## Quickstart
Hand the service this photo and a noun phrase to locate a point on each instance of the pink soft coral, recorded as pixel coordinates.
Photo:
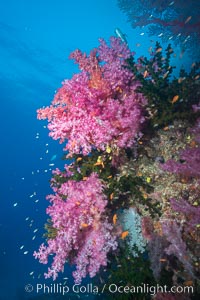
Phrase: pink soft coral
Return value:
(81, 229)
(98, 106)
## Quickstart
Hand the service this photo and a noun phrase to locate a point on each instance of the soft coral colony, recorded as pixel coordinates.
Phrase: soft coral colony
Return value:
(100, 105)
(113, 197)
(98, 108)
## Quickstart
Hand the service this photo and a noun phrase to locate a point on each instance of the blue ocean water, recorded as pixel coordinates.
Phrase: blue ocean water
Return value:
(36, 38)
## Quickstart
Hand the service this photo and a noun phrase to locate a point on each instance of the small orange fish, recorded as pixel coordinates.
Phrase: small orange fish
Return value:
(175, 98)
(111, 196)
(85, 178)
(145, 74)
(193, 144)
(118, 89)
(79, 159)
(163, 260)
(165, 75)
(114, 219)
(73, 143)
(98, 163)
(84, 225)
(180, 79)
(159, 50)
(124, 234)
(145, 196)
(188, 19)
(78, 203)
(188, 283)
(109, 177)
(166, 128)
(92, 113)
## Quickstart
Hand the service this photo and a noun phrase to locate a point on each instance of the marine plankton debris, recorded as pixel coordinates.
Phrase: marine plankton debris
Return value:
(15, 204)
(53, 157)
(32, 195)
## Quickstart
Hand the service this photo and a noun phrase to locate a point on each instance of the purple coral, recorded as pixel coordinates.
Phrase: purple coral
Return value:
(81, 229)
(172, 232)
(189, 164)
(192, 213)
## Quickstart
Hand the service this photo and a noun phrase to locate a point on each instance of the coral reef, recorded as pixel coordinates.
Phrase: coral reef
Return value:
(127, 199)
(102, 99)
(176, 21)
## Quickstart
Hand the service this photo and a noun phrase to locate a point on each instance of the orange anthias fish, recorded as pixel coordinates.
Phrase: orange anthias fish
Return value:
(111, 196)
(159, 50)
(175, 98)
(145, 73)
(114, 219)
(124, 234)
(84, 225)
(79, 159)
(181, 79)
(163, 260)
